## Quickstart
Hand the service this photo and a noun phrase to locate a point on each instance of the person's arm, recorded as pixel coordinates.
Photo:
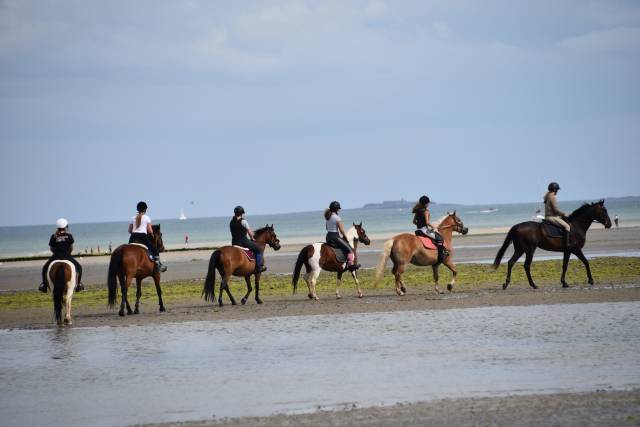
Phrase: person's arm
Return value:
(245, 224)
(427, 217)
(149, 229)
(130, 228)
(344, 234)
(554, 206)
(52, 242)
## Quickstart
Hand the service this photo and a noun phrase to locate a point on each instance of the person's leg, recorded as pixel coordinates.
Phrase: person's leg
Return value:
(79, 285)
(44, 285)
(349, 253)
(156, 255)
(443, 253)
(258, 253)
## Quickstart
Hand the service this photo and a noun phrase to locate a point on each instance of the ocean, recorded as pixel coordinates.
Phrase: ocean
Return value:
(296, 227)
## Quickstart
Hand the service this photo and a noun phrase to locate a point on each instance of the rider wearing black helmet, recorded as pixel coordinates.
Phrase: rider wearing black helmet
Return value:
(553, 214)
(140, 229)
(421, 219)
(334, 229)
(241, 235)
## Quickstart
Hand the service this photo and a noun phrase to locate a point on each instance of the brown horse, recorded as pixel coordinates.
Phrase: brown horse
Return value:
(321, 256)
(131, 261)
(62, 274)
(527, 236)
(233, 261)
(407, 248)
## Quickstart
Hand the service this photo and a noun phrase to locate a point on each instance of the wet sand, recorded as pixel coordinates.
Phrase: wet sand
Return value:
(190, 265)
(600, 408)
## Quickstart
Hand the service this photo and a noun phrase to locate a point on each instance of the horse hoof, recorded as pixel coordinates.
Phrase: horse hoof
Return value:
(404, 290)
(259, 301)
(338, 297)
(136, 311)
(534, 286)
(505, 286)
(590, 282)
(129, 312)
(233, 303)
(67, 322)
(121, 313)
(243, 301)
(564, 284)
(310, 296)
(162, 309)
(449, 287)
(220, 304)
(359, 295)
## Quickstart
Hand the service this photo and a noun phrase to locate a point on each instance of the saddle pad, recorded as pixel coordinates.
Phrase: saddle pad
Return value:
(552, 230)
(340, 255)
(248, 252)
(139, 244)
(427, 242)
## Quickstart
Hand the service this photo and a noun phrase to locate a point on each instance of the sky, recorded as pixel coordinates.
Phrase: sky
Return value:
(283, 106)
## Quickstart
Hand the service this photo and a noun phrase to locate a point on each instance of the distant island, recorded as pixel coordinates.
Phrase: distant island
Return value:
(395, 204)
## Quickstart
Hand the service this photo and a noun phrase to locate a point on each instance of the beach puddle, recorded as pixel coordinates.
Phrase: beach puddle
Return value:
(200, 370)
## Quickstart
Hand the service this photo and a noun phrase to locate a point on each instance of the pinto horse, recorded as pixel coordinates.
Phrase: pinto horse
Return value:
(527, 236)
(321, 256)
(62, 274)
(408, 248)
(131, 261)
(233, 261)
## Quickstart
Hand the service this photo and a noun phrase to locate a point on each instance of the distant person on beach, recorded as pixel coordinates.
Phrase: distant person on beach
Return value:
(61, 245)
(553, 214)
(615, 220)
(140, 229)
(186, 239)
(241, 235)
(334, 229)
(422, 221)
(110, 247)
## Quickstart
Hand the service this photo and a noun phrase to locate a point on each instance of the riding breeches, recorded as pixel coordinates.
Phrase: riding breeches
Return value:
(432, 234)
(559, 221)
(144, 239)
(334, 239)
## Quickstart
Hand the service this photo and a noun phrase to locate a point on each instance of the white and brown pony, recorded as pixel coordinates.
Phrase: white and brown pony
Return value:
(62, 274)
(407, 248)
(321, 256)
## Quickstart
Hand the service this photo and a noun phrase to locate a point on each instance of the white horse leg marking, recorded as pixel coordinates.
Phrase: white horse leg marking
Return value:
(338, 282)
(314, 263)
(355, 278)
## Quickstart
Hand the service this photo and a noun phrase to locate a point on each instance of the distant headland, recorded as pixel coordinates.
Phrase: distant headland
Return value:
(394, 204)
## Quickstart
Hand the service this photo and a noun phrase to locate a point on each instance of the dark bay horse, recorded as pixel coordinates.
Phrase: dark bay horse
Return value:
(62, 274)
(321, 256)
(233, 261)
(527, 236)
(407, 248)
(131, 261)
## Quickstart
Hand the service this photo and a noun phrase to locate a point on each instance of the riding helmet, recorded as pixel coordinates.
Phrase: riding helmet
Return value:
(62, 223)
(238, 210)
(554, 186)
(424, 200)
(334, 206)
(141, 207)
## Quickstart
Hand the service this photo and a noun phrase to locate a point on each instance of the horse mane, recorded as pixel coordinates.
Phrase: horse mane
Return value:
(582, 209)
(259, 231)
(440, 220)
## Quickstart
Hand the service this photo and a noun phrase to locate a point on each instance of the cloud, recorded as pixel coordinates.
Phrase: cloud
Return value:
(616, 39)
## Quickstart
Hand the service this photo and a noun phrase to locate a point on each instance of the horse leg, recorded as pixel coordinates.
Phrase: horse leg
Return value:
(228, 291)
(222, 285)
(338, 282)
(138, 295)
(397, 273)
(314, 280)
(565, 264)
(454, 273)
(247, 279)
(585, 261)
(354, 274)
(436, 276)
(258, 300)
(124, 285)
(514, 258)
(156, 281)
(527, 268)
(67, 315)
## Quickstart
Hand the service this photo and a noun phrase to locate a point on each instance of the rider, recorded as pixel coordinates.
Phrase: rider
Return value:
(241, 235)
(333, 225)
(554, 215)
(421, 219)
(61, 245)
(140, 229)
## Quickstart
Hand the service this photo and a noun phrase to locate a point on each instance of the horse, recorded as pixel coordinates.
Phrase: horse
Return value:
(131, 261)
(529, 235)
(233, 261)
(62, 274)
(408, 248)
(321, 256)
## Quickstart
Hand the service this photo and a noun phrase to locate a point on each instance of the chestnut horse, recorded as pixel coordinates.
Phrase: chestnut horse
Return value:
(321, 256)
(407, 248)
(527, 236)
(131, 261)
(62, 274)
(233, 261)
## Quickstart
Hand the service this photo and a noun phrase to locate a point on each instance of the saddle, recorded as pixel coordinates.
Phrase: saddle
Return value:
(427, 242)
(248, 252)
(145, 248)
(341, 257)
(552, 230)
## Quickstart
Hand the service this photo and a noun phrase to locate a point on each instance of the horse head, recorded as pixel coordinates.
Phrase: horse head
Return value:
(452, 220)
(267, 234)
(592, 212)
(157, 238)
(601, 214)
(362, 235)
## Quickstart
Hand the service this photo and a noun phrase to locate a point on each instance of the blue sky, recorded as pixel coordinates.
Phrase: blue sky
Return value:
(286, 105)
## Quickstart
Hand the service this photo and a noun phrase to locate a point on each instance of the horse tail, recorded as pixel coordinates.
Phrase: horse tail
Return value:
(303, 258)
(58, 291)
(115, 266)
(386, 252)
(503, 249)
(208, 291)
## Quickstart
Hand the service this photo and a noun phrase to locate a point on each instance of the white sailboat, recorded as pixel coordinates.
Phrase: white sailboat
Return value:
(182, 216)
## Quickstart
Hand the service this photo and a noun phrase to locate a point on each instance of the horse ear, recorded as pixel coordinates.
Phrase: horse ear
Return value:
(360, 224)
(601, 201)
(354, 224)
(454, 212)
(272, 226)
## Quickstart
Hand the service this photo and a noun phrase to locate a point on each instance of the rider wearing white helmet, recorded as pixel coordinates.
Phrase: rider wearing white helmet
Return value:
(61, 245)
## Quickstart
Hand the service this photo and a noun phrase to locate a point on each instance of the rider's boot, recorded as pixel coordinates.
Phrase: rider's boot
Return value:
(443, 253)
(260, 267)
(79, 285)
(42, 288)
(567, 240)
(351, 262)
(159, 266)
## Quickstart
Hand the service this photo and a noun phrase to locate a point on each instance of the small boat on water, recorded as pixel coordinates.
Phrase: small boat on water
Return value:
(182, 216)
